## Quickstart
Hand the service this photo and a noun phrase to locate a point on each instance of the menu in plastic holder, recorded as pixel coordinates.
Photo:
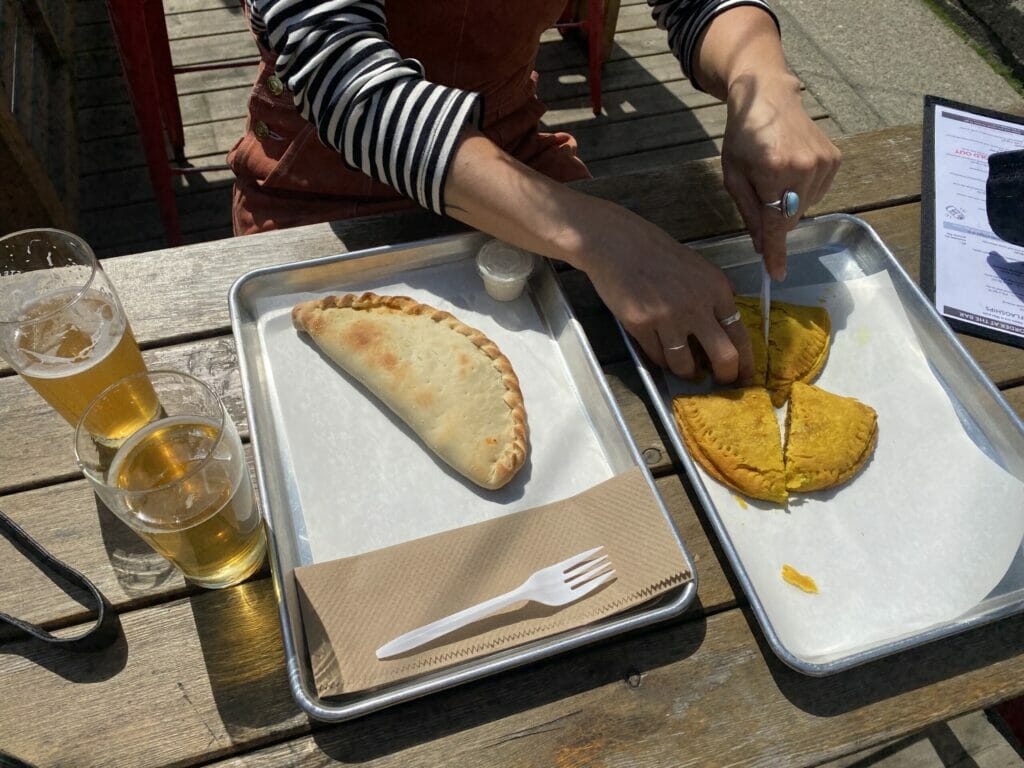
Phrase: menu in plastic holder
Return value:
(974, 277)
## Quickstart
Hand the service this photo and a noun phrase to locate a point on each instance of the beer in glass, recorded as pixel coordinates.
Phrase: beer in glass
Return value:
(63, 329)
(180, 479)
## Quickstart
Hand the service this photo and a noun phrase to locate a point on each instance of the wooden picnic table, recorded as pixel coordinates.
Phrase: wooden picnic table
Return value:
(198, 677)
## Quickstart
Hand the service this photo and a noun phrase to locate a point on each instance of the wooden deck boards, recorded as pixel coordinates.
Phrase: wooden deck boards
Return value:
(651, 115)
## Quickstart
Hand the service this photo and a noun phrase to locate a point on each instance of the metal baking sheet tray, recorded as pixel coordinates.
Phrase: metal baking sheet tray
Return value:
(339, 475)
(926, 541)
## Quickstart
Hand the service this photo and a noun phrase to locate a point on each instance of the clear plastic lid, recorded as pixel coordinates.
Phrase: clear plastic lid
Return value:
(504, 269)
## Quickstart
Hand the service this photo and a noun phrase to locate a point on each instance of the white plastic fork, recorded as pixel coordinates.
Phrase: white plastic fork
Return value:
(558, 584)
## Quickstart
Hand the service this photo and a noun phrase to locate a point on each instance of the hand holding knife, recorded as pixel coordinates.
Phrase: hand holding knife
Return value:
(788, 205)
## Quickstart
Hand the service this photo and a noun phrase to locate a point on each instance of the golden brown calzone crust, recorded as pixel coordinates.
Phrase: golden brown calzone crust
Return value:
(799, 338)
(750, 313)
(734, 435)
(829, 438)
(798, 345)
(446, 380)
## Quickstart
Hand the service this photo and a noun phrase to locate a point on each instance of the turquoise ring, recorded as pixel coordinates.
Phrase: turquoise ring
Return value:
(788, 205)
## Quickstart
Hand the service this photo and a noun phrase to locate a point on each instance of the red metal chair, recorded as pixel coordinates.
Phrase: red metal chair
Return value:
(593, 27)
(141, 34)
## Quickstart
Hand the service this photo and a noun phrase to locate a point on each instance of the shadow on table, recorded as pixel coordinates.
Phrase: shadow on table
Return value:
(895, 675)
(240, 639)
(623, 661)
(82, 667)
(140, 570)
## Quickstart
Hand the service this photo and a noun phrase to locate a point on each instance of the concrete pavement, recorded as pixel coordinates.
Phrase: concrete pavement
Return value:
(871, 62)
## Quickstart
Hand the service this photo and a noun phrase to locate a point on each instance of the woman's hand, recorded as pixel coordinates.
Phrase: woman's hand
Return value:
(667, 296)
(771, 146)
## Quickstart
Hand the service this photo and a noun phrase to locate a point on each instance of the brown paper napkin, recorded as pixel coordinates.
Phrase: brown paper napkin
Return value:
(352, 606)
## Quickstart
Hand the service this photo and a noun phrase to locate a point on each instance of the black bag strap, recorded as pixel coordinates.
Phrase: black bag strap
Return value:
(104, 631)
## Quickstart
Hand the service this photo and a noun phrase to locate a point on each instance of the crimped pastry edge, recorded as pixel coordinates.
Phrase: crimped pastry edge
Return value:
(679, 403)
(511, 461)
(818, 476)
(779, 391)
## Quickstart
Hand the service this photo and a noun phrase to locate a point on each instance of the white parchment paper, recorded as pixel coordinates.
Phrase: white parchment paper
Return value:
(920, 537)
(364, 479)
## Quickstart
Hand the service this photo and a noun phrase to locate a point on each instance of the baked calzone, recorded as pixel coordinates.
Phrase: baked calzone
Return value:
(446, 380)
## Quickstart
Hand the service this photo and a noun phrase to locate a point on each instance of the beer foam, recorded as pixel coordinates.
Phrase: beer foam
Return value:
(91, 318)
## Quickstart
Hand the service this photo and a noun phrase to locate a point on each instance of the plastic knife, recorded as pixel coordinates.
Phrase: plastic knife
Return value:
(766, 299)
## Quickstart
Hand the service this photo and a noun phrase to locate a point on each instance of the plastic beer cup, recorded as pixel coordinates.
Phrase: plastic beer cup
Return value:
(62, 327)
(179, 480)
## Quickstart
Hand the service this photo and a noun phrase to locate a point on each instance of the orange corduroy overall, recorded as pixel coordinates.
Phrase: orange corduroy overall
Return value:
(284, 175)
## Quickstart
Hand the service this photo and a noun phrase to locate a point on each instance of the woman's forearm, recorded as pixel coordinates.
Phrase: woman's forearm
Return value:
(661, 291)
(738, 44)
(493, 192)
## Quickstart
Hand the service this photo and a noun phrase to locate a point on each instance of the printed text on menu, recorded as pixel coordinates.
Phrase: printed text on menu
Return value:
(979, 278)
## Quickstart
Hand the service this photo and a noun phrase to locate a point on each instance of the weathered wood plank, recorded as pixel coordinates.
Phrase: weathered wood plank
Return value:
(704, 689)
(182, 686)
(206, 143)
(91, 12)
(640, 703)
(602, 139)
(28, 197)
(205, 208)
(632, 17)
(654, 159)
(192, 18)
(554, 53)
(101, 92)
(671, 698)
(118, 189)
(212, 49)
(119, 119)
(200, 22)
(187, 237)
(616, 75)
(629, 393)
(632, 105)
(190, 6)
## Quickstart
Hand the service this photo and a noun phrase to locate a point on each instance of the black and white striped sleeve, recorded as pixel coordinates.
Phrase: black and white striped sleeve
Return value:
(685, 20)
(366, 101)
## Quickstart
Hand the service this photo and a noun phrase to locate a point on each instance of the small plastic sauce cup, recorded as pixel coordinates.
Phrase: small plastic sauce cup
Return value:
(504, 269)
